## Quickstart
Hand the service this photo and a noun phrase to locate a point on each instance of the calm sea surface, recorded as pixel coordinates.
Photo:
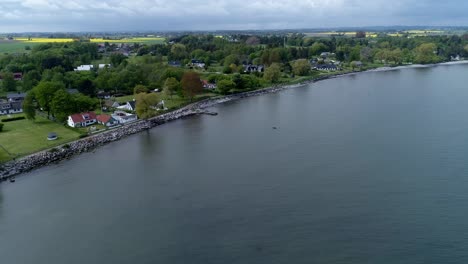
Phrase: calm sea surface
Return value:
(371, 168)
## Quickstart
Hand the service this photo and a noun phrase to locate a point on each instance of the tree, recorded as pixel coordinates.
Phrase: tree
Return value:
(273, 73)
(140, 89)
(178, 51)
(253, 40)
(146, 105)
(224, 86)
(44, 93)
(317, 48)
(361, 34)
(191, 84)
(426, 53)
(117, 58)
(301, 67)
(61, 105)
(231, 59)
(171, 86)
(1, 127)
(8, 82)
(28, 107)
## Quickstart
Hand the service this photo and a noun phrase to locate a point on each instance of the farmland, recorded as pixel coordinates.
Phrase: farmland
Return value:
(20, 44)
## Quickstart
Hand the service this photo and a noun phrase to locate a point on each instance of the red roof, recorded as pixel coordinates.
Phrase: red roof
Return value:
(82, 117)
(103, 118)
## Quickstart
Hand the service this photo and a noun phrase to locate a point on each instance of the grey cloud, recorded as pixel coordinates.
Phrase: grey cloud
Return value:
(92, 15)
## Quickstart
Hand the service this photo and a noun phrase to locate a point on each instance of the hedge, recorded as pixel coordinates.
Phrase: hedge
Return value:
(13, 119)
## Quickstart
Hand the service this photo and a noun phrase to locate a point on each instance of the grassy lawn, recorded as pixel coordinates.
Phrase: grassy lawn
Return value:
(24, 137)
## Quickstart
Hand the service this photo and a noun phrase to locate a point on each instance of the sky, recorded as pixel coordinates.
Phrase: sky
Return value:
(166, 15)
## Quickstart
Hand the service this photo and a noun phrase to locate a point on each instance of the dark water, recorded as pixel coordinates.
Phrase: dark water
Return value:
(371, 168)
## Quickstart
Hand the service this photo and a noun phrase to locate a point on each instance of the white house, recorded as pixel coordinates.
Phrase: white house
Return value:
(130, 106)
(123, 117)
(90, 67)
(7, 108)
(82, 119)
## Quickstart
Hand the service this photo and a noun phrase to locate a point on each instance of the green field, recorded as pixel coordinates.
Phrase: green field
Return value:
(13, 46)
(24, 137)
(18, 45)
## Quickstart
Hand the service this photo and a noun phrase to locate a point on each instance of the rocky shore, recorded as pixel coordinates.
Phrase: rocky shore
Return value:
(66, 151)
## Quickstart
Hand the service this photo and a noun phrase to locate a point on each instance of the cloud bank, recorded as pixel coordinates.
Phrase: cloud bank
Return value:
(162, 15)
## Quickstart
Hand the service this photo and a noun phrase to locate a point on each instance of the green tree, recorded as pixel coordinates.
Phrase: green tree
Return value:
(28, 106)
(171, 86)
(317, 48)
(301, 67)
(178, 51)
(224, 86)
(61, 105)
(44, 92)
(140, 89)
(426, 53)
(231, 59)
(191, 84)
(8, 82)
(273, 73)
(146, 105)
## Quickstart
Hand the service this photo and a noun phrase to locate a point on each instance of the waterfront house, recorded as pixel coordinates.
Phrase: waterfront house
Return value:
(107, 120)
(176, 64)
(249, 68)
(16, 97)
(326, 67)
(7, 108)
(123, 117)
(130, 106)
(103, 95)
(197, 63)
(82, 119)
(207, 85)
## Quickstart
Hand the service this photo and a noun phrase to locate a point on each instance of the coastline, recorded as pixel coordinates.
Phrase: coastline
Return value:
(67, 151)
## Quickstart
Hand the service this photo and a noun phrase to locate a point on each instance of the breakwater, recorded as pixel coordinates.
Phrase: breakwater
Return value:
(90, 143)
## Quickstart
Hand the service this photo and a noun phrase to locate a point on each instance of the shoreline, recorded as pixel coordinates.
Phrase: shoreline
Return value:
(74, 148)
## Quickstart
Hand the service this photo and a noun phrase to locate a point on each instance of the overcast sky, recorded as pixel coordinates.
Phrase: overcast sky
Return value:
(163, 15)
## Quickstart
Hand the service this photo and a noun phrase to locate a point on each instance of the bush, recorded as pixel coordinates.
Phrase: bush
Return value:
(66, 146)
(83, 135)
(1, 127)
(13, 119)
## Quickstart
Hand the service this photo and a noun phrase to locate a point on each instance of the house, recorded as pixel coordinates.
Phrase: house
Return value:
(130, 106)
(357, 64)
(325, 55)
(197, 63)
(123, 117)
(176, 64)
(82, 119)
(326, 67)
(84, 68)
(16, 97)
(249, 68)
(106, 120)
(7, 108)
(72, 91)
(207, 85)
(18, 76)
(103, 95)
(90, 67)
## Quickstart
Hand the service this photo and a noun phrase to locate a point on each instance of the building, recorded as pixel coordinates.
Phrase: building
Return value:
(326, 67)
(17, 76)
(249, 68)
(130, 106)
(7, 108)
(106, 120)
(207, 85)
(90, 67)
(176, 64)
(16, 97)
(197, 63)
(82, 119)
(123, 117)
(103, 95)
